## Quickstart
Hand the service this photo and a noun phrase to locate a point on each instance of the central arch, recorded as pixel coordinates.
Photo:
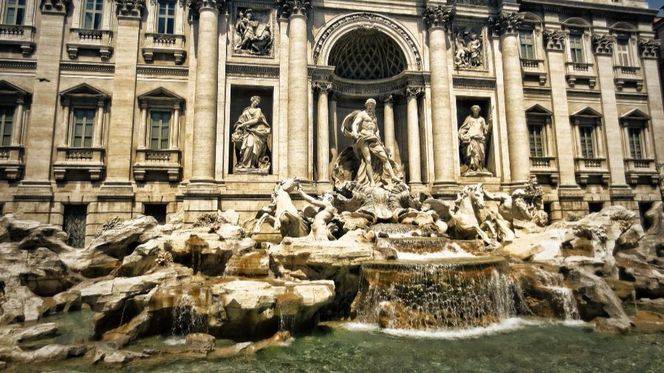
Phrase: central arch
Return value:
(366, 54)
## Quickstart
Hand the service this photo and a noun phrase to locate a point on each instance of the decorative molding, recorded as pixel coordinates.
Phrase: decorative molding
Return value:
(649, 48)
(54, 6)
(287, 8)
(88, 67)
(555, 40)
(369, 18)
(468, 82)
(506, 23)
(18, 64)
(267, 71)
(162, 70)
(603, 44)
(196, 5)
(322, 86)
(414, 91)
(130, 8)
(438, 16)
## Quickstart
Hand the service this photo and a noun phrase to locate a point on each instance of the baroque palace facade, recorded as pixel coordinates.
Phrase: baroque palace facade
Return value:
(112, 108)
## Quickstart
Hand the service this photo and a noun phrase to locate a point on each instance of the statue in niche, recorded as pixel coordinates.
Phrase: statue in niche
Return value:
(252, 35)
(250, 136)
(473, 135)
(368, 158)
(468, 54)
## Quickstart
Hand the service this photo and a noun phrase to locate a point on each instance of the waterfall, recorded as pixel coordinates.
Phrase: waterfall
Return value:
(561, 295)
(185, 318)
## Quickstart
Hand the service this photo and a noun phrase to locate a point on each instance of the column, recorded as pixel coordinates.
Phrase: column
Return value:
(143, 126)
(388, 126)
(413, 122)
(649, 49)
(603, 47)
(323, 129)
(517, 130)
(99, 126)
(438, 19)
(175, 127)
(283, 96)
(298, 90)
(205, 108)
(335, 124)
(18, 124)
(555, 52)
(65, 123)
(39, 134)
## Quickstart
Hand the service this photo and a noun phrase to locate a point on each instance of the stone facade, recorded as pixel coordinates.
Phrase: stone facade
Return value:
(130, 109)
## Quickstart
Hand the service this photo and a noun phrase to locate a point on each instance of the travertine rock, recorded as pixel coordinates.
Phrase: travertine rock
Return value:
(121, 240)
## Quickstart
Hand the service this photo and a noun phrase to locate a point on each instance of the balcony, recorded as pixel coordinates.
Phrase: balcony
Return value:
(20, 36)
(157, 163)
(628, 74)
(11, 162)
(545, 168)
(164, 44)
(534, 67)
(641, 171)
(591, 170)
(97, 40)
(87, 163)
(580, 71)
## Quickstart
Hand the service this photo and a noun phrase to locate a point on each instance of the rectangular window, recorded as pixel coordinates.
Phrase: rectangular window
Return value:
(576, 48)
(527, 45)
(93, 13)
(586, 137)
(166, 17)
(83, 128)
(14, 12)
(536, 140)
(73, 223)
(159, 129)
(635, 146)
(6, 124)
(623, 52)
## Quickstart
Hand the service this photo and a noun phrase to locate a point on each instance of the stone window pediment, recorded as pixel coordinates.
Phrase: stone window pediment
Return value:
(84, 93)
(161, 97)
(634, 117)
(586, 116)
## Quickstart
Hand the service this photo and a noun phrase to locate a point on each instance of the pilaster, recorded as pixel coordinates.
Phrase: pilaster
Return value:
(413, 123)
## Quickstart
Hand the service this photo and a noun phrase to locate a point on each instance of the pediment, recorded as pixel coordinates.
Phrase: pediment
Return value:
(635, 114)
(538, 109)
(586, 112)
(160, 94)
(84, 90)
(9, 89)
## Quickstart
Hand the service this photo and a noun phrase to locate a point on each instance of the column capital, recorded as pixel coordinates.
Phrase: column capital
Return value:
(130, 8)
(197, 5)
(505, 23)
(555, 40)
(414, 91)
(54, 6)
(438, 16)
(649, 48)
(603, 44)
(389, 99)
(322, 86)
(287, 8)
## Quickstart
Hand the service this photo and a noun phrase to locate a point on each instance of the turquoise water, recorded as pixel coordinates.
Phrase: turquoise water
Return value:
(515, 347)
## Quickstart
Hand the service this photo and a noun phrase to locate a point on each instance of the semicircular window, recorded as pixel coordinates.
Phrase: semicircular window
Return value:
(367, 55)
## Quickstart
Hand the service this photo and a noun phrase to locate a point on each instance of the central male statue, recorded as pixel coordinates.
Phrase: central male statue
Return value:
(362, 127)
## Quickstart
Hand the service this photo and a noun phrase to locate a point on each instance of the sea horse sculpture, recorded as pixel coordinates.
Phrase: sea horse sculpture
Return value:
(282, 213)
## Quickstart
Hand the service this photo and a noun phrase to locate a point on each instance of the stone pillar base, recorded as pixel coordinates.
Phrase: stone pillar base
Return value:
(623, 196)
(33, 200)
(445, 190)
(200, 198)
(570, 204)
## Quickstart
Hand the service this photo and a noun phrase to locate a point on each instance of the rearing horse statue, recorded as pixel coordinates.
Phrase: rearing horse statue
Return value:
(282, 213)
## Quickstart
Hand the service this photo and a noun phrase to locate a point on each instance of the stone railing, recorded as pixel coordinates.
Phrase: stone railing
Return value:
(79, 161)
(166, 44)
(534, 67)
(546, 167)
(628, 74)
(11, 162)
(587, 168)
(157, 164)
(18, 35)
(542, 162)
(580, 70)
(641, 170)
(99, 40)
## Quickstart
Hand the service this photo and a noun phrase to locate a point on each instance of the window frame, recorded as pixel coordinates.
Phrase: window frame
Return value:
(18, 8)
(6, 132)
(594, 123)
(97, 14)
(524, 46)
(163, 142)
(86, 125)
(575, 37)
(541, 121)
(623, 57)
(169, 19)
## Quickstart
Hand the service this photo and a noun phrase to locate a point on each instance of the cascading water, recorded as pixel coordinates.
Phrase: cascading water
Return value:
(457, 293)
(185, 319)
(563, 295)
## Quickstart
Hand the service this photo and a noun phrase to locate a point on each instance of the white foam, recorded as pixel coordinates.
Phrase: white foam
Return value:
(507, 325)
(458, 252)
(174, 341)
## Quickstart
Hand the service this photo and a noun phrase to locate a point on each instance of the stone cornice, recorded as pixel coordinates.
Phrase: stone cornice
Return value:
(557, 5)
(555, 40)
(603, 44)
(438, 16)
(649, 48)
(54, 6)
(130, 8)
(197, 5)
(287, 8)
(506, 23)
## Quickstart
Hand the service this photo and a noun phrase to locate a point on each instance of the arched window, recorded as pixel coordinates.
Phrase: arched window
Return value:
(367, 55)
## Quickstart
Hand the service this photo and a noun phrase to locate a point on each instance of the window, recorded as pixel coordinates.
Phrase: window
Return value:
(576, 48)
(83, 128)
(635, 144)
(166, 17)
(527, 45)
(73, 223)
(14, 12)
(159, 129)
(586, 139)
(622, 51)
(6, 124)
(537, 135)
(157, 211)
(93, 12)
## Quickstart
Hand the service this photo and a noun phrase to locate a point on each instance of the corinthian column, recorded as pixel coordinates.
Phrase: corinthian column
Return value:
(298, 90)
(414, 171)
(205, 108)
(323, 148)
(388, 126)
(506, 25)
(437, 19)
